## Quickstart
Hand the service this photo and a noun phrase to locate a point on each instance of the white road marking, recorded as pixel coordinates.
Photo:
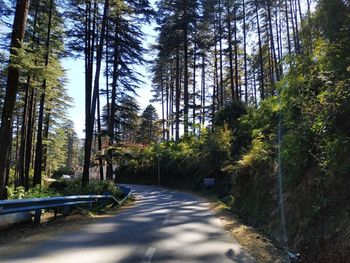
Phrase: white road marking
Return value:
(149, 255)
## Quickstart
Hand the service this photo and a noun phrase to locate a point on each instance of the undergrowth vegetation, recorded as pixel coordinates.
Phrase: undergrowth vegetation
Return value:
(65, 188)
(36, 192)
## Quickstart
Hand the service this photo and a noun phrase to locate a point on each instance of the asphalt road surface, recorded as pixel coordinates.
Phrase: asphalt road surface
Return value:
(163, 226)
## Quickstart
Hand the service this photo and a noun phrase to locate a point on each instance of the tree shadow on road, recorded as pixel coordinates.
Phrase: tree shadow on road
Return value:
(178, 225)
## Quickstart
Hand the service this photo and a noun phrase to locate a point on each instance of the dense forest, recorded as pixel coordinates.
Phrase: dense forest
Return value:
(252, 93)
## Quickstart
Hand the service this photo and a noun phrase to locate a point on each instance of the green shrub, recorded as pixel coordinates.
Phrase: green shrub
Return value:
(228, 200)
(35, 192)
(74, 187)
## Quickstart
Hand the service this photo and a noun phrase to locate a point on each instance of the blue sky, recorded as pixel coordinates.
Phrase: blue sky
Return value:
(75, 75)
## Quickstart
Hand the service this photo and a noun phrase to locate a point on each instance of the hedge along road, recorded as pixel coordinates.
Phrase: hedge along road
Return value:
(163, 226)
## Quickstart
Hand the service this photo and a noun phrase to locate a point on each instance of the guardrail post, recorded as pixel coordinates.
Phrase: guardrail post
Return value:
(37, 216)
(66, 210)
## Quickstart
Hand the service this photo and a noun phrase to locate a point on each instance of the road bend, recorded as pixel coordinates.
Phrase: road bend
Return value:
(163, 226)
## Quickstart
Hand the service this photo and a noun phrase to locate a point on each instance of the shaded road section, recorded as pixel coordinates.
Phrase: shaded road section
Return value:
(163, 226)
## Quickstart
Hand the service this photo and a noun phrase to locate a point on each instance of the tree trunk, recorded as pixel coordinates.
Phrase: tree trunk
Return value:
(186, 97)
(177, 98)
(221, 59)
(16, 154)
(279, 41)
(172, 91)
(230, 51)
(194, 80)
(29, 138)
(171, 103)
(18, 31)
(295, 11)
(255, 95)
(100, 161)
(21, 159)
(262, 84)
(238, 93)
(288, 30)
(293, 26)
(216, 76)
(245, 53)
(112, 113)
(70, 150)
(203, 93)
(47, 121)
(213, 102)
(167, 107)
(38, 165)
(38, 149)
(91, 118)
(162, 102)
(273, 49)
(7, 175)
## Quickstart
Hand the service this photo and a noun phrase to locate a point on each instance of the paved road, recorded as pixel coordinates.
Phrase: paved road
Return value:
(163, 226)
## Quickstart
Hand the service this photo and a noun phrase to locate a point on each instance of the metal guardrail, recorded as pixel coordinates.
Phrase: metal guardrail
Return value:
(37, 204)
(126, 191)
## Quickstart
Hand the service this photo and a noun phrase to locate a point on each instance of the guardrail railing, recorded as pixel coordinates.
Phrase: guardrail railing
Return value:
(37, 204)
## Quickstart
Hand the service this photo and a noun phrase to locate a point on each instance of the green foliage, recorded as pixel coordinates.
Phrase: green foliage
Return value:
(260, 151)
(57, 149)
(295, 156)
(74, 187)
(230, 114)
(232, 117)
(183, 164)
(149, 129)
(313, 102)
(254, 172)
(228, 200)
(64, 188)
(35, 192)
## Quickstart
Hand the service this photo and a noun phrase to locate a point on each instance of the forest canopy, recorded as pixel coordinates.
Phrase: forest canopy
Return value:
(252, 93)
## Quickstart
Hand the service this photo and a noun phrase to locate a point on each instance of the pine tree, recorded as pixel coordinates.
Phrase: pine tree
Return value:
(125, 50)
(149, 130)
(18, 31)
(35, 74)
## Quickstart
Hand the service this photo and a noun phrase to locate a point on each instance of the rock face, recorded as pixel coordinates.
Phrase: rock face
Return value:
(6, 220)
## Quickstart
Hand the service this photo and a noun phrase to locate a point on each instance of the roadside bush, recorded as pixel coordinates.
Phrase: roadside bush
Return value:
(35, 192)
(65, 188)
(73, 187)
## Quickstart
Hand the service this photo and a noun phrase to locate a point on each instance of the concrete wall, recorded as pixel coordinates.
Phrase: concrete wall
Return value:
(6, 220)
